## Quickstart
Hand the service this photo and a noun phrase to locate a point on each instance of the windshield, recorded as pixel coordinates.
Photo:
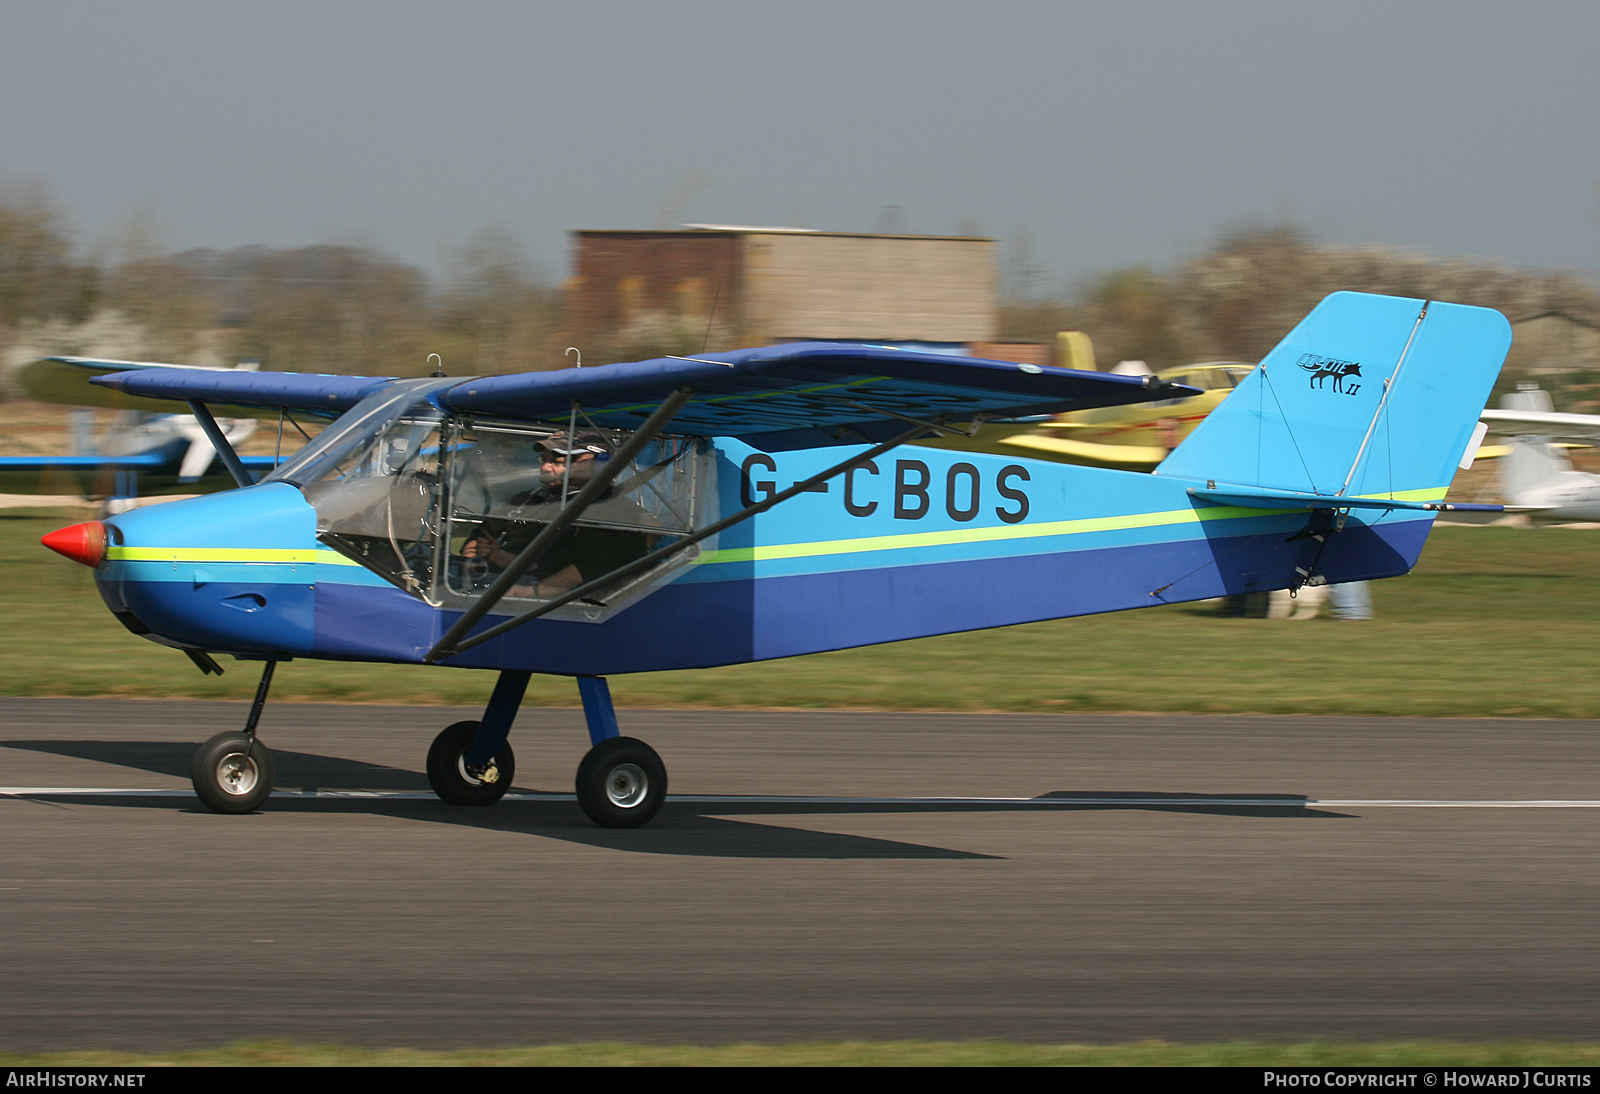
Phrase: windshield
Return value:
(353, 431)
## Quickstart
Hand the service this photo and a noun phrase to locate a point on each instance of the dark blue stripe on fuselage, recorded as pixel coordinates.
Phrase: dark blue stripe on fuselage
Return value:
(699, 625)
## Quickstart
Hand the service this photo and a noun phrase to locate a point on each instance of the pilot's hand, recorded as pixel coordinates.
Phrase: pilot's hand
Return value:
(479, 546)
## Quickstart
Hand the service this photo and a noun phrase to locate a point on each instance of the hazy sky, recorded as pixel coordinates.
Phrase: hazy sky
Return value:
(1109, 133)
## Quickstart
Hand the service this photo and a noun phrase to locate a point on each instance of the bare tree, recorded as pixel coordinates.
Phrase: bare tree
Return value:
(38, 279)
(325, 308)
(495, 314)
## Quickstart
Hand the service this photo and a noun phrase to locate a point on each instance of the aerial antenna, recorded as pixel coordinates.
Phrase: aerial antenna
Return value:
(438, 369)
(712, 315)
(572, 428)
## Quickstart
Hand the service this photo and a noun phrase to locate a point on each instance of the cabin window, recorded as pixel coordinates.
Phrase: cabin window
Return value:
(440, 506)
(506, 483)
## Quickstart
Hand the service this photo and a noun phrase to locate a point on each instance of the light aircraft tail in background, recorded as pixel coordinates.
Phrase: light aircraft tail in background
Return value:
(1536, 477)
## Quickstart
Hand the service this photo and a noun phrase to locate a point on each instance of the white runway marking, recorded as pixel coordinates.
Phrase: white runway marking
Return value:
(1067, 802)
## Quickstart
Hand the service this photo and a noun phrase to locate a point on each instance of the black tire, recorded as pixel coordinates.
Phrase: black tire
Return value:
(447, 768)
(622, 783)
(233, 773)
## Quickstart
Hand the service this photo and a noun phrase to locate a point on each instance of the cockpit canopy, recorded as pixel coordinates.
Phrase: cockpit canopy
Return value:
(437, 504)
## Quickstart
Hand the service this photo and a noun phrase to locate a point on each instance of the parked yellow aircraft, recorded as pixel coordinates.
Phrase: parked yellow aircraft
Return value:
(1140, 437)
(1134, 437)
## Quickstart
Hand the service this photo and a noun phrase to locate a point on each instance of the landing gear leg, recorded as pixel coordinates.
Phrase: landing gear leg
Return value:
(622, 783)
(233, 772)
(471, 763)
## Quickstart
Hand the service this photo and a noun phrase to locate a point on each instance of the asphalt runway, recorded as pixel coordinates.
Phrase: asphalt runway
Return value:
(1137, 876)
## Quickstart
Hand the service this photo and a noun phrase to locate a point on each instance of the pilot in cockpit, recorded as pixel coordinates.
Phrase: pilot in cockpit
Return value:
(583, 553)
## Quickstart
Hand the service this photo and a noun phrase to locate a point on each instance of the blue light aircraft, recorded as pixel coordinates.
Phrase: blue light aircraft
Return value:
(686, 512)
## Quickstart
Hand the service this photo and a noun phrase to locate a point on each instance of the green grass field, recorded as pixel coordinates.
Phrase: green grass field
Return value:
(1495, 621)
(861, 1054)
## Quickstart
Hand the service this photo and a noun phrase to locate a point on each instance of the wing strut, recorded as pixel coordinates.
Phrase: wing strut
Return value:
(533, 552)
(450, 645)
(219, 441)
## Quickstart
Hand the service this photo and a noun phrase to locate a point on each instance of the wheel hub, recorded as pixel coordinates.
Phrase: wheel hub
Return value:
(476, 776)
(237, 774)
(627, 785)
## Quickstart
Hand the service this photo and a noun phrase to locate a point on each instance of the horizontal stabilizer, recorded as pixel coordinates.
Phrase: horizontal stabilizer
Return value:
(1253, 498)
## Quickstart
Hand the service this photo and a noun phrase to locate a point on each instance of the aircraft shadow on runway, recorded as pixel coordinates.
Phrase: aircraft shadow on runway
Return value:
(689, 828)
(176, 759)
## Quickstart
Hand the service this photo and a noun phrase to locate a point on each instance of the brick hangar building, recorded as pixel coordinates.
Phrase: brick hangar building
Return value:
(636, 293)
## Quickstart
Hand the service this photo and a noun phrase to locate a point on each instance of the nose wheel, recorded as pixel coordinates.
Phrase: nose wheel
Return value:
(460, 783)
(621, 783)
(233, 773)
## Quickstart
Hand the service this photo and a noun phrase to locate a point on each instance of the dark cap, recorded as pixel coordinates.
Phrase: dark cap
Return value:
(591, 441)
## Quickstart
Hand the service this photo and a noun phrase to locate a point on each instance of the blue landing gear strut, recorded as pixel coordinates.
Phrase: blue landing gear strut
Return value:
(621, 783)
(497, 718)
(471, 763)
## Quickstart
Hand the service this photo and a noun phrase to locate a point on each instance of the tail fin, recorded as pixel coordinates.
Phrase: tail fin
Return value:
(1369, 395)
(1531, 467)
(1527, 397)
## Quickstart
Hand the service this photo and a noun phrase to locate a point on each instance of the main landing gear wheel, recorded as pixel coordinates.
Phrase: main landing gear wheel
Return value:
(621, 783)
(454, 782)
(233, 773)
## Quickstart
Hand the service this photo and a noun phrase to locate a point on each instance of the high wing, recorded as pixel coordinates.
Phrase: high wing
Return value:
(798, 395)
(63, 380)
(230, 393)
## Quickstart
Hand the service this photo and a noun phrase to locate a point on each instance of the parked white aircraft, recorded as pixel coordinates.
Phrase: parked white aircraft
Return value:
(145, 449)
(1536, 477)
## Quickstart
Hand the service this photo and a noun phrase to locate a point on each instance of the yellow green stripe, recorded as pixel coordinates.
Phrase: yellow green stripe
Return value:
(791, 550)
(1016, 531)
(226, 554)
(974, 535)
(1431, 493)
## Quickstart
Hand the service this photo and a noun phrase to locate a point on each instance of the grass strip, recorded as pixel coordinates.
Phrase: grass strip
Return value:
(860, 1054)
(1494, 622)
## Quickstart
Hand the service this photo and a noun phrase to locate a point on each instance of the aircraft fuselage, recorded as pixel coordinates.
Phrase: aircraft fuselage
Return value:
(921, 542)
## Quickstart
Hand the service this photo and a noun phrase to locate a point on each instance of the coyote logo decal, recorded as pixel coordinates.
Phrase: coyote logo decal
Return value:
(1323, 367)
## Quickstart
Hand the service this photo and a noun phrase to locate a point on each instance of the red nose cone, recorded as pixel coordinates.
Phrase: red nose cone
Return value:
(85, 543)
